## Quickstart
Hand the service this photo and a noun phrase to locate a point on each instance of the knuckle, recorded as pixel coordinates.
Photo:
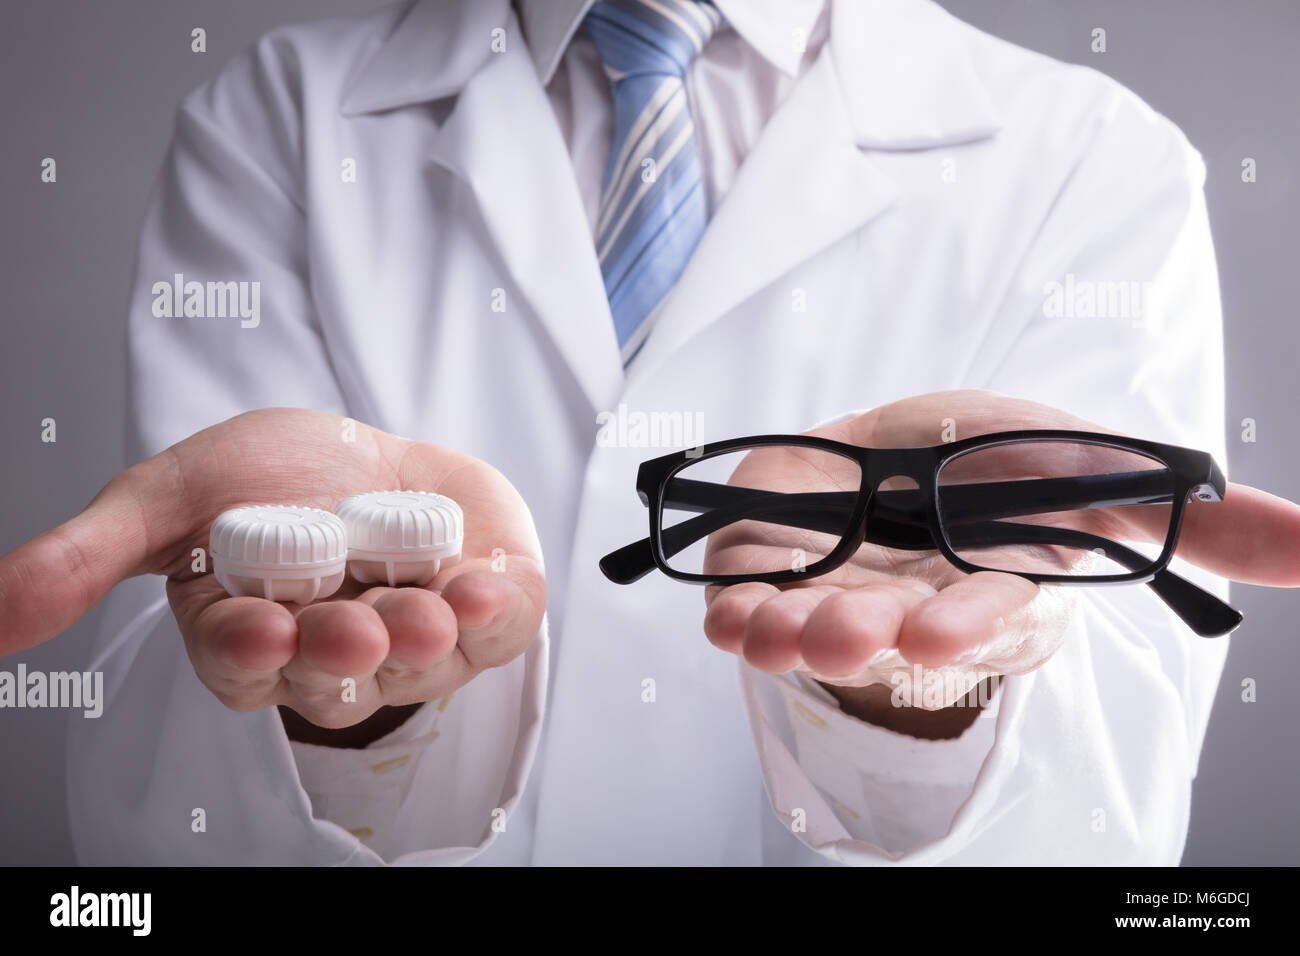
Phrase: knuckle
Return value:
(489, 652)
(235, 696)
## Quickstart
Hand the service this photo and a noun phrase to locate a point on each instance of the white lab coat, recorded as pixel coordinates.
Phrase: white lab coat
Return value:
(895, 231)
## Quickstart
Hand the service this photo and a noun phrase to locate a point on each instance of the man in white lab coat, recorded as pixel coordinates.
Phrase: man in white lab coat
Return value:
(897, 205)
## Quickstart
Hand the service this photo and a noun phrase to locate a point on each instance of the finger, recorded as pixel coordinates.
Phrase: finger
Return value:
(331, 680)
(52, 580)
(775, 628)
(849, 629)
(497, 613)
(1250, 536)
(337, 639)
(422, 663)
(962, 620)
(729, 609)
(236, 645)
(421, 626)
(143, 520)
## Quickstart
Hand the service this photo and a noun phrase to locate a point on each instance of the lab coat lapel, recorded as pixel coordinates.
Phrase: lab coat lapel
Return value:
(805, 185)
(502, 139)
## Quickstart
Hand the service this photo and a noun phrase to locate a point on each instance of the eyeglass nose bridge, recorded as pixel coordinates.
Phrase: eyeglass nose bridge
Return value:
(887, 475)
(898, 517)
(886, 485)
(897, 472)
(916, 465)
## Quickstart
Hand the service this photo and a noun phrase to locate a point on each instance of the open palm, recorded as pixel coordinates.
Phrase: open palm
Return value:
(884, 610)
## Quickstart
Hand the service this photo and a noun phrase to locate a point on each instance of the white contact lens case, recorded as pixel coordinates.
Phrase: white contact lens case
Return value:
(279, 552)
(401, 537)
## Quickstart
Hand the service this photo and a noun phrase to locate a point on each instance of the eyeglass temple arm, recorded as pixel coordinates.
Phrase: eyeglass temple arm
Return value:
(967, 502)
(905, 527)
(1200, 610)
(897, 519)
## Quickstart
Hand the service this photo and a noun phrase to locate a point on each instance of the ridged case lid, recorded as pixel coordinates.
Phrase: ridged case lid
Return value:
(278, 536)
(399, 521)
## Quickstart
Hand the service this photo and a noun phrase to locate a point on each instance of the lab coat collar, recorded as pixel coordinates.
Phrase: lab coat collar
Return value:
(431, 53)
(772, 27)
(907, 73)
(501, 139)
(777, 29)
(549, 25)
(894, 74)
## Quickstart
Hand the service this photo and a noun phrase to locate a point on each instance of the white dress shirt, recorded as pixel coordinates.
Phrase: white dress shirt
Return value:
(885, 788)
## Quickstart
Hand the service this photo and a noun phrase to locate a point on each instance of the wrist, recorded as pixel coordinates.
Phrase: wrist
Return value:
(379, 724)
(876, 704)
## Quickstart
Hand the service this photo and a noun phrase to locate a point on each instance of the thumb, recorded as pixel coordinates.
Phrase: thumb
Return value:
(47, 584)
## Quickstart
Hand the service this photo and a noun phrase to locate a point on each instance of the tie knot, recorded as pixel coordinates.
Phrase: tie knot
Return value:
(661, 37)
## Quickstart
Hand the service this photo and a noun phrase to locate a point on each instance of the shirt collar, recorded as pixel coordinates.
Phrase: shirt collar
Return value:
(913, 76)
(776, 29)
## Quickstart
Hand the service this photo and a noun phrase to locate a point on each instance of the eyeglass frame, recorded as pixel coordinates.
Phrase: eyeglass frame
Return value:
(1195, 475)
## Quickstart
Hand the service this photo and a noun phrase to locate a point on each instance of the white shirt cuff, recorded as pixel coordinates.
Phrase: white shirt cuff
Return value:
(439, 788)
(832, 777)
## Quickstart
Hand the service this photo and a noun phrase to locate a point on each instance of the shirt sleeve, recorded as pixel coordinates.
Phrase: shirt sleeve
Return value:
(882, 789)
(1089, 759)
(362, 790)
(442, 786)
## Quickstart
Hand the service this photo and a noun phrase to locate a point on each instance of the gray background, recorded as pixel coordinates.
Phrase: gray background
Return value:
(94, 85)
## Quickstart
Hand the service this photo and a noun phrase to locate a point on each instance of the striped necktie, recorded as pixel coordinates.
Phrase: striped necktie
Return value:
(652, 208)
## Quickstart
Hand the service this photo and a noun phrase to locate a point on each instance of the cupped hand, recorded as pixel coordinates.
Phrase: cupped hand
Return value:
(397, 645)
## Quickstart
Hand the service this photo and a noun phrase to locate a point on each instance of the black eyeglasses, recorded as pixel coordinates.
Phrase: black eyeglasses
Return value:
(1090, 509)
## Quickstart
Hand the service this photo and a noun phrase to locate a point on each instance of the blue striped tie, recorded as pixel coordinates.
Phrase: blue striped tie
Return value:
(652, 208)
